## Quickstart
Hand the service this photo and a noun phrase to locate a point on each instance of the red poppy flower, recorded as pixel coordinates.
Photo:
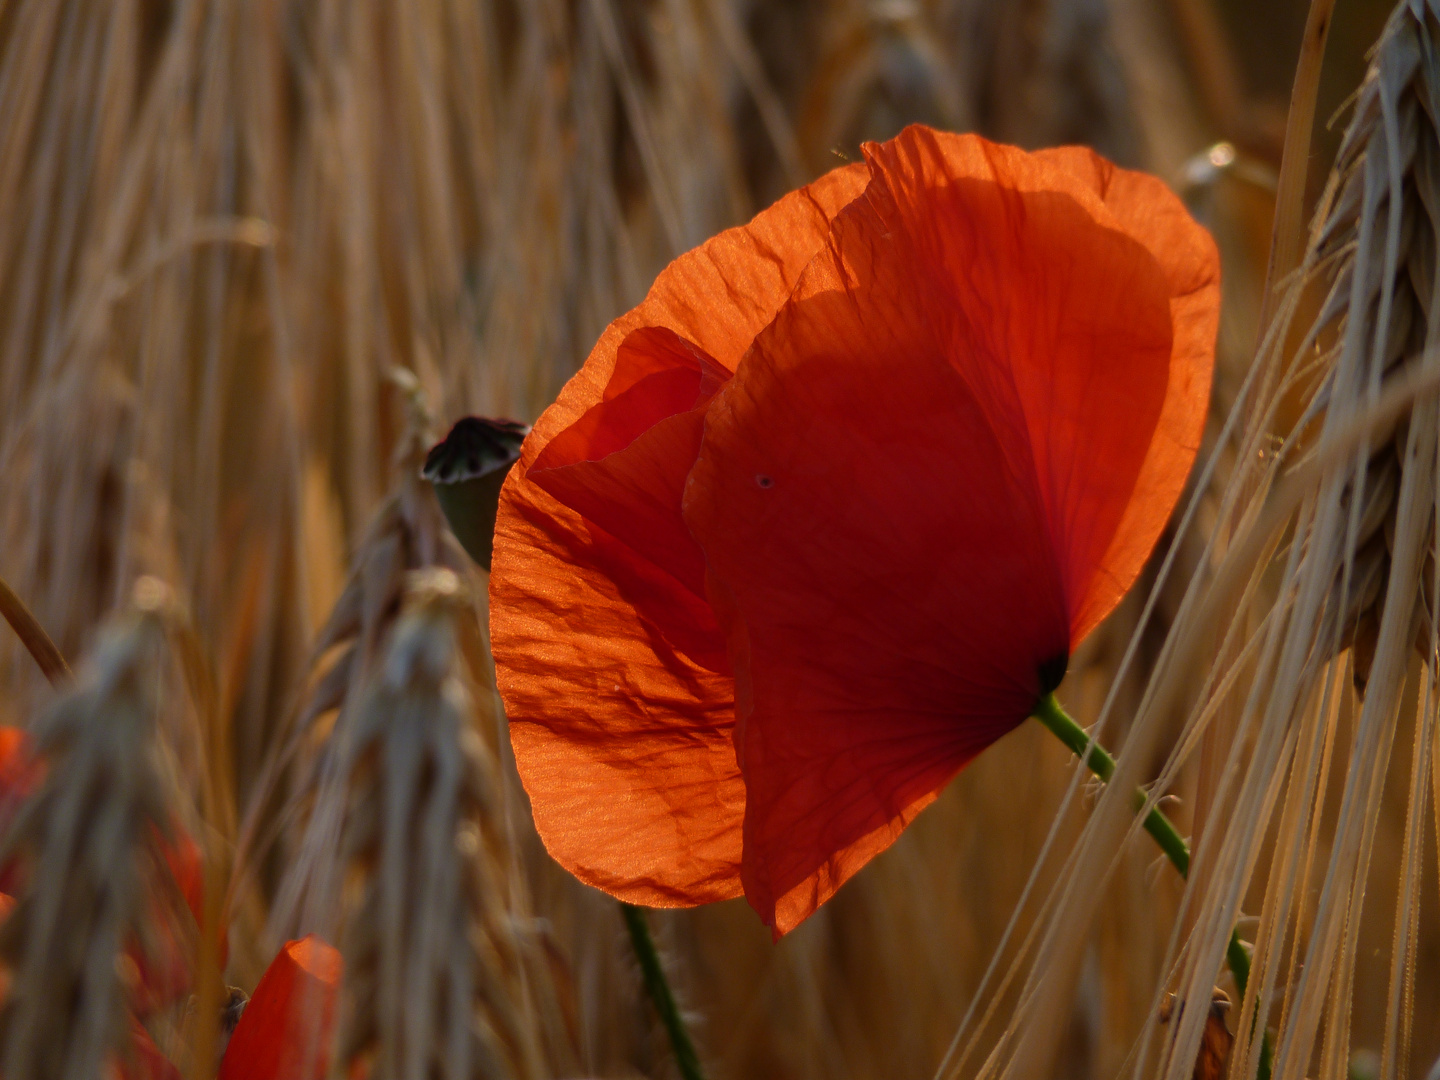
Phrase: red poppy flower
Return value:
(284, 1032)
(824, 516)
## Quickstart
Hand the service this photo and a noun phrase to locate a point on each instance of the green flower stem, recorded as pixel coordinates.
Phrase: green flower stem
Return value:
(1098, 761)
(660, 995)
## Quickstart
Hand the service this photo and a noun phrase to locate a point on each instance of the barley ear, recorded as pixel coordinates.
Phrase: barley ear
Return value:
(100, 929)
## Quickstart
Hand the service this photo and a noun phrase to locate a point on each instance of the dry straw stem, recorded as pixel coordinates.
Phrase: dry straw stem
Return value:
(1356, 568)
(33, 636)
(79, 524)
(95, 880)
(1379, 229)
(1287, 236)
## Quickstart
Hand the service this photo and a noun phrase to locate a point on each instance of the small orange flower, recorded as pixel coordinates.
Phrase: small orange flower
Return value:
(284, 1032)
(825, 515)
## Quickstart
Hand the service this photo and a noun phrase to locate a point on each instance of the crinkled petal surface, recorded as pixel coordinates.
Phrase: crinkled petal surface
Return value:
(284, 1032)
(609, 659)
(911, 495)
(622, 468)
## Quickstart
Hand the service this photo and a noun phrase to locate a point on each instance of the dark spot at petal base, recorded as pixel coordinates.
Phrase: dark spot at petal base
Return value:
(1052, 671)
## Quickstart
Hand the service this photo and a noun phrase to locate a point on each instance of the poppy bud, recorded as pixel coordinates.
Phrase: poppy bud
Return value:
(285, 1028)
(467, 469)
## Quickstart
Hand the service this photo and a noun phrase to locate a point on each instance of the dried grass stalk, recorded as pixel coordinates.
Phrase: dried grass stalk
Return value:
(1358, 573)
(436, 971)
(33, 636)
(407, 533)
(403, 848)
(1380, 236)
(1372, 534)
(98, 898)
(1330, 549)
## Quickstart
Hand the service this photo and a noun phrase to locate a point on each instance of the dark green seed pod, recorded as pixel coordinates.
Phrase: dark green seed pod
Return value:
(467, 469)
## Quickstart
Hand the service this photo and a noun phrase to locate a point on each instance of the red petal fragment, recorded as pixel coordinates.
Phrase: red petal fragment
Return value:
(7, 905)
(166, 974)
(284, 1032)
(187, 863)
(624, 739)
(14, 758)
(182, 857)
(145, 1061)
(19, 774)
(20, 771)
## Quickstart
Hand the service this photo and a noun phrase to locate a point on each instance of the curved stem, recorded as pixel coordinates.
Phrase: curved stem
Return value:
(1099, 761)
(28, 629)
(660, 995)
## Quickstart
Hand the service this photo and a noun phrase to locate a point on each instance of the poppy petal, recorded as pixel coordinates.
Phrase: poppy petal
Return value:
(284, 1032)
(1149, 211)
(622, 466)
(1083, 336)
(164, 964)
(898, 493)
(624, 740)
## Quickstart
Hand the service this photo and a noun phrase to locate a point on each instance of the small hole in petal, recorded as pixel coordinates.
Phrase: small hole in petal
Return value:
(764, 482)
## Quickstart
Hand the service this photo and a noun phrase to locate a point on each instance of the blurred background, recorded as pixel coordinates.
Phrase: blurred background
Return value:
(225, 223)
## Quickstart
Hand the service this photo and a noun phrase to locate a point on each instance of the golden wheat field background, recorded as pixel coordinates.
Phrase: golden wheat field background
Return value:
(256, 255)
